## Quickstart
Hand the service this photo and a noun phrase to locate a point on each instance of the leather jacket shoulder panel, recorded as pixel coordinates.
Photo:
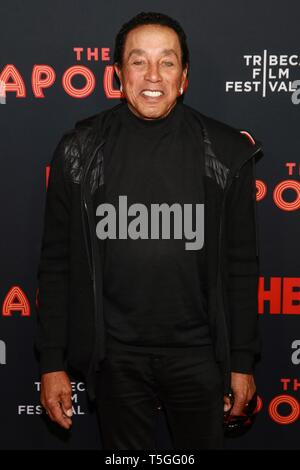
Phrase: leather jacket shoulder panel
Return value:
(214, 168)
(81, 142)
(226, 142)
(71, 157)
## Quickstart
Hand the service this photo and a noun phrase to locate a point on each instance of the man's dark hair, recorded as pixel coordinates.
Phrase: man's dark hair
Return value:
(150, 18)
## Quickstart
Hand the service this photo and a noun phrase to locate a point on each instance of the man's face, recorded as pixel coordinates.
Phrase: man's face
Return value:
(151, 63)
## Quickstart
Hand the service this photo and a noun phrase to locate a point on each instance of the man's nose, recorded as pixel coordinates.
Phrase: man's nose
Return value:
(153, 73)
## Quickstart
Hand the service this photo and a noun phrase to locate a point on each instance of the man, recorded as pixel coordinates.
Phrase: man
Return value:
(144, 319)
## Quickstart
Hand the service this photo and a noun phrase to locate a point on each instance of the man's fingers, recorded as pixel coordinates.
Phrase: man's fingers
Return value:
(239, 405)
(243, 387)
(57, 414)
(54, 419)
(49, 414)
(227, 403)
(56, 397)
(66, 403)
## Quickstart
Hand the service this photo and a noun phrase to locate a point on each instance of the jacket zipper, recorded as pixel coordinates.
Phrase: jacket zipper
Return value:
(219, 276)
(91, 258)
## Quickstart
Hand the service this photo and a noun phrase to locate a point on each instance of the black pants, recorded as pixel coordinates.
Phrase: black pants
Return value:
(130, 386)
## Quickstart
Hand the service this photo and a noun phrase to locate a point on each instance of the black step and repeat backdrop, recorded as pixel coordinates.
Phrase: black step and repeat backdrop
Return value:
(56, 68)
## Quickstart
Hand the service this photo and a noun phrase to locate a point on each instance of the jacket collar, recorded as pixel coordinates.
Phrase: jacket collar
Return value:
(229, 148)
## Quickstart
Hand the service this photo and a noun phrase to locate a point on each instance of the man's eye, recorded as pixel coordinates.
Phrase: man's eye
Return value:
(169, 64)
(137, 62)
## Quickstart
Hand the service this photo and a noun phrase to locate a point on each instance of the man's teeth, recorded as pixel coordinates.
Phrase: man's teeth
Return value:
(152, 93)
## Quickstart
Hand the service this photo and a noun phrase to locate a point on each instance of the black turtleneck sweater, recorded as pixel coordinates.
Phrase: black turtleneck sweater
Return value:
(154, 297)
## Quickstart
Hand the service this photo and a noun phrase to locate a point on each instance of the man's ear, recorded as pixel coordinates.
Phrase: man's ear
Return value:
(185, 73)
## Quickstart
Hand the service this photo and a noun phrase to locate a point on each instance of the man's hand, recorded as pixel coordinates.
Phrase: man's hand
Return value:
(56, 393)
(243, 388)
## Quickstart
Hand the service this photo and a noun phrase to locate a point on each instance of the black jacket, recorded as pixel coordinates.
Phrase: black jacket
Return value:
(70, 330)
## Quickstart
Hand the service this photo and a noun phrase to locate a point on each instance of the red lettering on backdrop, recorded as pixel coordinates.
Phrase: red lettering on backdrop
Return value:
(296, 385)
(92, 53)
(16, 300)
(43, 76)
(274, 411)
(291, 298)
(249, 136)
(78, 51)
(290, 166)
(87, 89)
(281, 295)
(48, 169)
(272, 295)
(13, 80)
(278, 195)
(108, 84)
(261, 190)
(292, 384)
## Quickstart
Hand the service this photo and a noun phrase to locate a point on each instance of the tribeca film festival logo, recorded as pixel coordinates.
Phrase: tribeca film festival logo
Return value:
(138, 228)
(269, 73)
(37, 409)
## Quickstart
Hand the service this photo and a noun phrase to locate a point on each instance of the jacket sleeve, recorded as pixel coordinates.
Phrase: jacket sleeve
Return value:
(53, 269)
(243, 270)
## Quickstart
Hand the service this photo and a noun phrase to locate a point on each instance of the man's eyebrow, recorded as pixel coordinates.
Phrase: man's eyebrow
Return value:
(142, 52)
